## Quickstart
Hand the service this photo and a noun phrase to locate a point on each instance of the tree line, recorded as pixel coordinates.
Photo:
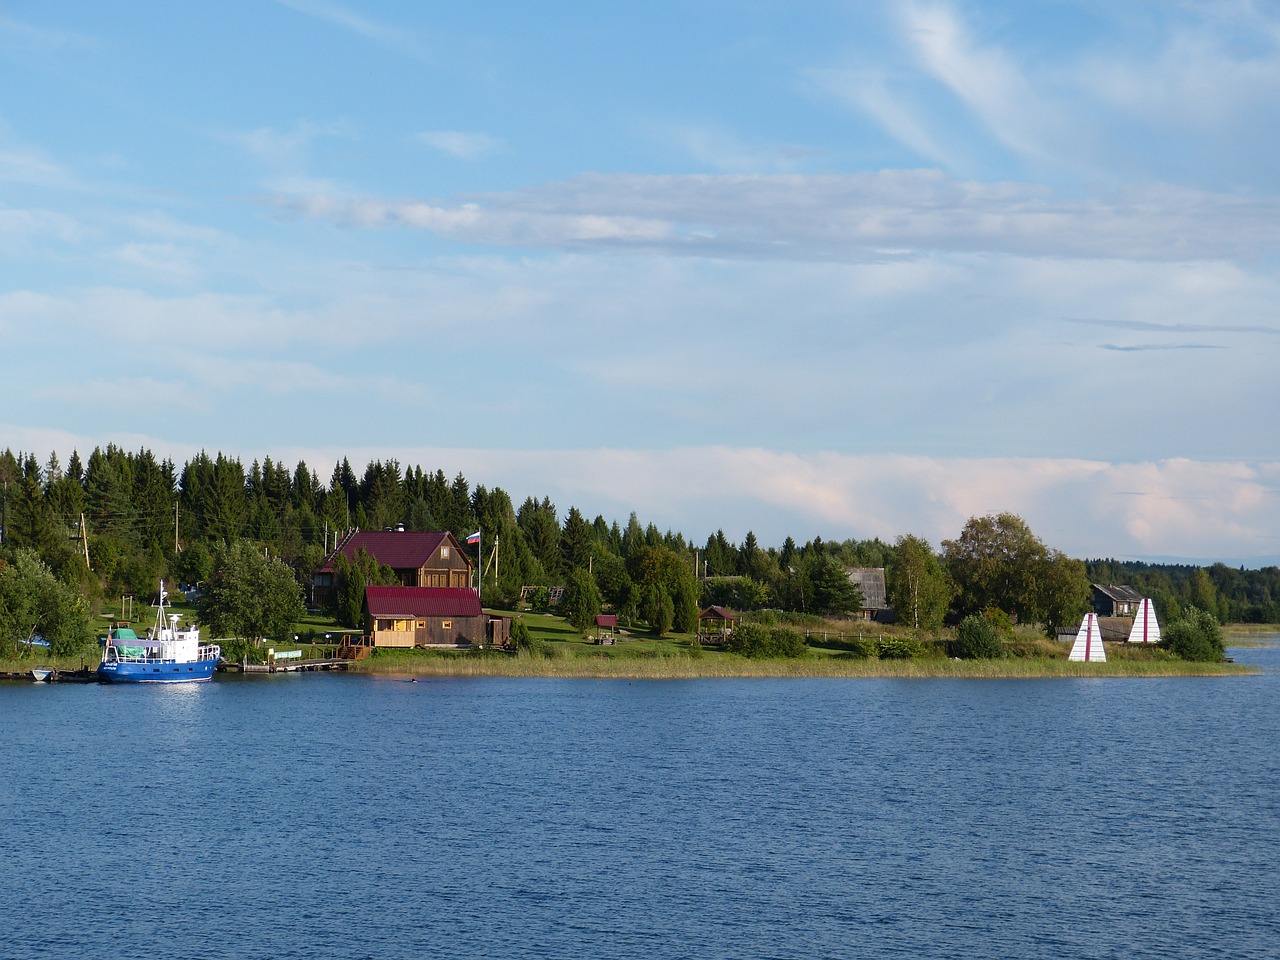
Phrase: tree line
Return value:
(138, 518)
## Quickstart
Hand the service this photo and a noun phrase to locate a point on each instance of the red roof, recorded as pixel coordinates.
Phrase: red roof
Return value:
(397, 549)
(422, 602)
(606, 620)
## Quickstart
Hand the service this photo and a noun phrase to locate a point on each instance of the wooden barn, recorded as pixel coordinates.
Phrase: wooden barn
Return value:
(875, 602)
(429, 617)
(419, 558)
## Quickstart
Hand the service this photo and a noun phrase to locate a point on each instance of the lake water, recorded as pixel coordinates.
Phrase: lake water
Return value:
(350, 817)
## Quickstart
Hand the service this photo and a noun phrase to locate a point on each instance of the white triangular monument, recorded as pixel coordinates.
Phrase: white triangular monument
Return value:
(1146, 629)
(1088, 645)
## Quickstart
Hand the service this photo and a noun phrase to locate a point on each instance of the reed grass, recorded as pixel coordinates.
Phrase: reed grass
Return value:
(679, 666)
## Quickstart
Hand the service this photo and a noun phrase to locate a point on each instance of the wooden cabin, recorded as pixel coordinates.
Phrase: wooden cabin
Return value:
(424, 617)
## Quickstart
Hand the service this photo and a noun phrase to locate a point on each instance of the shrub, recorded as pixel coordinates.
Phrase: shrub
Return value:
(1196, 636)
(539, 600)
(864, 648)
(519, 634)
(760, 642)
(977, 639)
(897, 648)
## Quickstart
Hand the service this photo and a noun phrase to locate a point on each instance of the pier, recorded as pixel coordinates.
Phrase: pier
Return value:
(292, 666)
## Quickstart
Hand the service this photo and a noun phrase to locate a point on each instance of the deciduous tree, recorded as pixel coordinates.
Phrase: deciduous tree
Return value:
(919, 589)
(249, 595)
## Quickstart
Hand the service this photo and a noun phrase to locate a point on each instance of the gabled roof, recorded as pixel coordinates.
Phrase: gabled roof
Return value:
(1119, 592)
(871, 581)
(606, 620)
(416, 602)
(397, 549)
(716, 613)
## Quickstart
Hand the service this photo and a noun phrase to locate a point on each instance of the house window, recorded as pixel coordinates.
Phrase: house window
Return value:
(444, 552)
(446, 625)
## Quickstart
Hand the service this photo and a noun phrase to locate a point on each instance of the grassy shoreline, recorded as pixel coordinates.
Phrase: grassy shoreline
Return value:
(563, 653)
(677, 667)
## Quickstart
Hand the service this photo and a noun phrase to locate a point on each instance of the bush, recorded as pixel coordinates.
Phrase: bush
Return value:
(760, 642)
(1196, 636)
(897, 648)
(520, 638)
(977, 639)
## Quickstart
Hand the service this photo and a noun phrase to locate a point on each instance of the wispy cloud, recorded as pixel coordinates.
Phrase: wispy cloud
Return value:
(1143, 347)
(1148, 326)
(720, 150)
(285, 148)
(456, 143)
(853, 217)
(984, 77)
(31, 36)
(392, 37)
(874, 93)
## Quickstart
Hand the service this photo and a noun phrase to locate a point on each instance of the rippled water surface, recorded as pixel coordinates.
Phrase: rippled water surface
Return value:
(344, 817)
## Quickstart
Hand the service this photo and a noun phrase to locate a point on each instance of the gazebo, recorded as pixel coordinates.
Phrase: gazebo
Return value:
(715, 624)
(606, 621)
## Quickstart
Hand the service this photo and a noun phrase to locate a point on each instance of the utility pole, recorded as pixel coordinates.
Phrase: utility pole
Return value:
(84, 540)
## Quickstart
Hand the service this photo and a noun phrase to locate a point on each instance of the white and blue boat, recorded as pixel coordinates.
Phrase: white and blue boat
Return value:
(165, 655)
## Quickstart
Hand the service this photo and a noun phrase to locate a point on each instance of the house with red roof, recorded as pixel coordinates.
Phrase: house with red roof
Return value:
(430, 558)
(426, 617)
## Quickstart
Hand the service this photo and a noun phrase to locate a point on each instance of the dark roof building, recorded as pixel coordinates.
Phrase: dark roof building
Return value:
(1115, 600)
(875, 603)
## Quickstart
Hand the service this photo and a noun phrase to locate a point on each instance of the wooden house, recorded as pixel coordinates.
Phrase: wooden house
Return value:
(1115, 600)
(429, 617)
(419, 558)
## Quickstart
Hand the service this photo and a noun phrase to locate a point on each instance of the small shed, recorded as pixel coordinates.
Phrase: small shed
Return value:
(606, 627)
(715, 624)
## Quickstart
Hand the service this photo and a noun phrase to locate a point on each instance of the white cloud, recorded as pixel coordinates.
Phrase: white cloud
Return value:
(841, 217)
(286, 149)
(456, 143)
(984, 77)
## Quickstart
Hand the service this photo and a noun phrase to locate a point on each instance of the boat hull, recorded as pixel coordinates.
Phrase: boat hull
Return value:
(158, 672)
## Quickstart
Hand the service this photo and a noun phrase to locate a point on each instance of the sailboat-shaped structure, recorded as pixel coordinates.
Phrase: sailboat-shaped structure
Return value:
(1088, 645)
(1146, 629)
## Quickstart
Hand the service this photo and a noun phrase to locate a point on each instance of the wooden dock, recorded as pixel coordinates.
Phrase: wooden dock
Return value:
(293, 666)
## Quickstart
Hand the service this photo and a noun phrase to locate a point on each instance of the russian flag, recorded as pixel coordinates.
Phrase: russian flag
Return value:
(474, 538)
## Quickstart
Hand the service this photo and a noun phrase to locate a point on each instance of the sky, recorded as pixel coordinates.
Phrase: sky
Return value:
(842, 269)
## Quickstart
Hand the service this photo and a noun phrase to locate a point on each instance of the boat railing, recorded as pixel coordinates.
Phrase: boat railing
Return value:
(114, 654)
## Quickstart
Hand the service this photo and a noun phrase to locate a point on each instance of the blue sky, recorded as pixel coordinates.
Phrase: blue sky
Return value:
(811, 268)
